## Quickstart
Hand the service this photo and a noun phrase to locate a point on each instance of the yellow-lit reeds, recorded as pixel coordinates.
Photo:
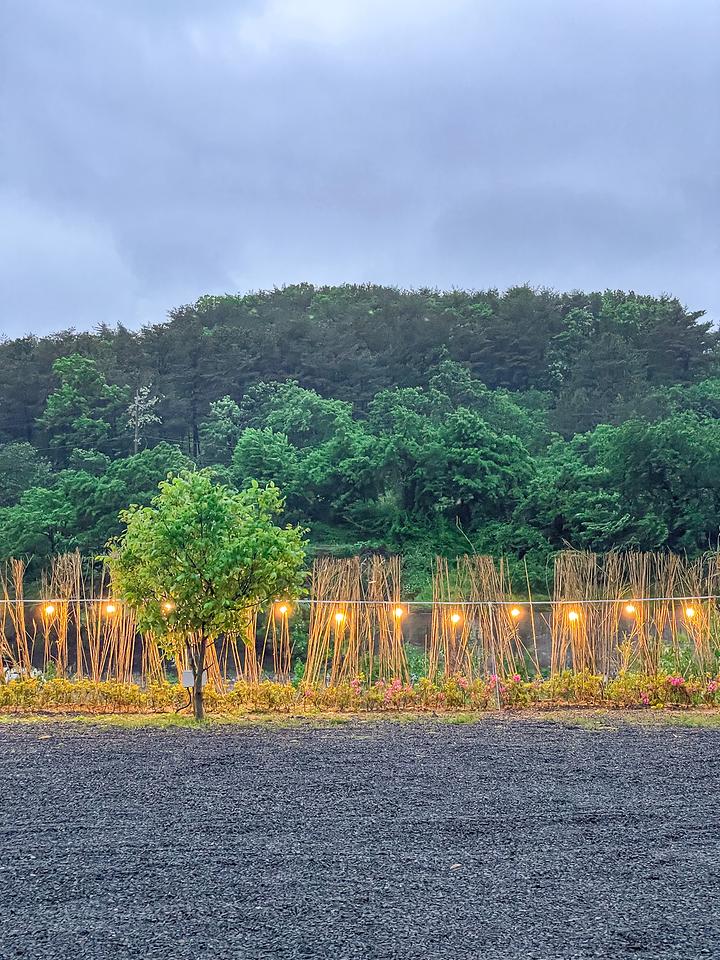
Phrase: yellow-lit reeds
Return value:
(450, 651)
(612, 613)
(333, 637)
(277, 634)
(17, 641)
(384, 614)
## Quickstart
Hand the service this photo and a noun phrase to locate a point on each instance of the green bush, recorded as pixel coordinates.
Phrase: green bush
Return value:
(627, 690)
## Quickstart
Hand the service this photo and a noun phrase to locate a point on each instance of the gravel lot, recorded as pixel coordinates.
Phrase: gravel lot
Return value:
(502, 838)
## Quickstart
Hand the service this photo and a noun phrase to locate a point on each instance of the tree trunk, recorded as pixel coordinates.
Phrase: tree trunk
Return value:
(198, 664)
(198, 698)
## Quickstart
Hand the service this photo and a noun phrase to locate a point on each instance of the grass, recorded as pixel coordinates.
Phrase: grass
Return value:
(594, 719)
(587, 719)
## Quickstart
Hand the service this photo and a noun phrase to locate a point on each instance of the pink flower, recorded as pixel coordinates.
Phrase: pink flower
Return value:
(463, 683)
(516, 678)
(645, 700)
(676, 681)
(712, 686)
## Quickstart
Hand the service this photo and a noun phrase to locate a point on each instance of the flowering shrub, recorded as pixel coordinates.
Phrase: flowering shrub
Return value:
(627, 690)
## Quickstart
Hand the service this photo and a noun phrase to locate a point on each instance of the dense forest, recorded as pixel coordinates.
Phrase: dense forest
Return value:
(412, 421)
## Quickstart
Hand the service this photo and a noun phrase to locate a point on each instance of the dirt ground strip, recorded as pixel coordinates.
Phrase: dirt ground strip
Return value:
(500, 838)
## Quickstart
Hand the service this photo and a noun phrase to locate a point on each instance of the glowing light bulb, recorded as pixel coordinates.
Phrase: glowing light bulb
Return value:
(573, 616)
(399, 612)
(455, 618)
(689, 612)
(168, 606)
(629, 609)
(110, 609)
(282, 609)
(48, 609)
(339, 617)
(515, 612)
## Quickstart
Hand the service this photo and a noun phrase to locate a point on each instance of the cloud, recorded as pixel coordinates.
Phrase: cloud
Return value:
(155, 152)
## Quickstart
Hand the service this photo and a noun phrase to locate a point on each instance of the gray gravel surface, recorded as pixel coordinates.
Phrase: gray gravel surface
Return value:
(503, 838)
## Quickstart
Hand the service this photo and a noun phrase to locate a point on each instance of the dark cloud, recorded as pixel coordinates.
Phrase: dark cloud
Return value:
(152, 152)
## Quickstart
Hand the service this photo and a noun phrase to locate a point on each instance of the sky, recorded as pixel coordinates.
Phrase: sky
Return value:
(153, 152)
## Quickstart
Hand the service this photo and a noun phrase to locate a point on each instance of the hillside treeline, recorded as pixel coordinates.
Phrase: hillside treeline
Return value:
(414, 421)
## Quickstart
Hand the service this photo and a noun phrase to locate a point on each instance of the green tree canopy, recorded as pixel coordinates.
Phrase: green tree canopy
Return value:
(197, 561)
(85, 411)
(220, 431)
(21, 467)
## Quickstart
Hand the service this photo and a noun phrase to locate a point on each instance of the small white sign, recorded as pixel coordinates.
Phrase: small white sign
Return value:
(186, 679)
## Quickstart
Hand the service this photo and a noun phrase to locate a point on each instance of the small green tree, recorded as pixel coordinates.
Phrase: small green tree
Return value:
(195, 563)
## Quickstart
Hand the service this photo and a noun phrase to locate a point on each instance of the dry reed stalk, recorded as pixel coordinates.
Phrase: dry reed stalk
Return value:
(696, 615)
(497, 647)
(639, 647)
(454, 622)
(94, 595)
(667, 583)
(9, 653)
(571, 645)
(14, 608)
(232, 651)
(320, 621)
(153, 662)
(252, 665)
(533, 629)
(587, 622)
(60, 590)
(383, 621)
(349, 623)
(333, 636)
(48, 612)
(215, 675)
(608, 619)
(278, 633)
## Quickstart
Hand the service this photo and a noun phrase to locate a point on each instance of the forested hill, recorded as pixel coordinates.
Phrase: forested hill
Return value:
(402, 419)
(597, 355)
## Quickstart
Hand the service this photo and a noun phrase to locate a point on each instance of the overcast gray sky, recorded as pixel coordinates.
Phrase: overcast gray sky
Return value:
(155, 150)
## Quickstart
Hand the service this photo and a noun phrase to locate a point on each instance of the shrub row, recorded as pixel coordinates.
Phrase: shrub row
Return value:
(453, 693)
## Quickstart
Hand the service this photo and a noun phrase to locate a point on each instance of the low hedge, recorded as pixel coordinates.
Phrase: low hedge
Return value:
(453, 693)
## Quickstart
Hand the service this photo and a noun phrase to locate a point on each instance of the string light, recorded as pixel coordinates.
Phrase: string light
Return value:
(629, 609)
(48, 609)
(399, 612)
(282, 609)
(339, 617)
(573, 616)
(110, 609)
(168, 606)
(455, 618)
(689, 612)
(515, 612)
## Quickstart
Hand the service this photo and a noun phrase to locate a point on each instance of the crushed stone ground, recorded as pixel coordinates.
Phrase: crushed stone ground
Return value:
(373, 840)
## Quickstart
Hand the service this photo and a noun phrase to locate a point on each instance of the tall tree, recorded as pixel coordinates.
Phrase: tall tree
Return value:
(85, 411)
(141, 413)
